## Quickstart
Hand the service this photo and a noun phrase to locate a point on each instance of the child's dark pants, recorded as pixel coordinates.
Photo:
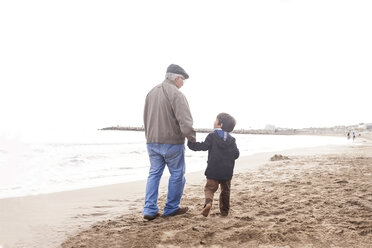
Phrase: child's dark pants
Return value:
(211, 187)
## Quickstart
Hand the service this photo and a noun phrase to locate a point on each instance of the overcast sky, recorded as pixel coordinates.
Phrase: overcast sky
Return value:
(68, 65)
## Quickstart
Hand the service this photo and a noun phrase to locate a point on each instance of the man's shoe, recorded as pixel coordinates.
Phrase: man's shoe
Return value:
(178, 212)
(151, 217)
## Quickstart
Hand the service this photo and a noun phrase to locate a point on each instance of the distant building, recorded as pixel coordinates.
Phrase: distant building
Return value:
(368, 126)
(270, 127)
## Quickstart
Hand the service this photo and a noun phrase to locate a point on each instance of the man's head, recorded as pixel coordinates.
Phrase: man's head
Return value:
(177, 74)
(226, 122)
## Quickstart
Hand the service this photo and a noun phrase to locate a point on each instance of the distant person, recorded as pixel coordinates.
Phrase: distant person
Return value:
(222, 153)
(167, 121)
(348, 135)
(353, 136)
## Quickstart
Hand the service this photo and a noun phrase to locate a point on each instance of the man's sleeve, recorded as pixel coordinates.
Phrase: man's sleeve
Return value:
(183, 115)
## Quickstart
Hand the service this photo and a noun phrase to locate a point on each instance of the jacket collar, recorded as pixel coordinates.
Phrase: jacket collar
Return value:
(170, 82)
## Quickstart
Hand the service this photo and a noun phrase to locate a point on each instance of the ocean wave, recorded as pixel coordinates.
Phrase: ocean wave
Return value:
(69, 166)
(125, 168)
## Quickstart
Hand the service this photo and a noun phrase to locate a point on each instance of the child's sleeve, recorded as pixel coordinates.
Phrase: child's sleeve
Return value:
(236, 151)
(200, 146)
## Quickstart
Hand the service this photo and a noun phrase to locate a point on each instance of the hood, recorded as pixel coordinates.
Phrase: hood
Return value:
(221, 143)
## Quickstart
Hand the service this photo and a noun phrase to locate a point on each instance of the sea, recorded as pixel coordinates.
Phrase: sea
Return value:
(102, 158)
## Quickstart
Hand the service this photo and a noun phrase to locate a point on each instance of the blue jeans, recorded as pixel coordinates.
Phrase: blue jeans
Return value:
(174, 157)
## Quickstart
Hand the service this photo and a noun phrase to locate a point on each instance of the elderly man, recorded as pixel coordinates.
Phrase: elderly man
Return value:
(167, 120)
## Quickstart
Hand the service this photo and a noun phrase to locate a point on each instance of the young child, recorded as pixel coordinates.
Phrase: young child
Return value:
(222, 153)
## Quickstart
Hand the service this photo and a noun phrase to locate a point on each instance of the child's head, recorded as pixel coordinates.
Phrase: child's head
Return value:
(225, 121)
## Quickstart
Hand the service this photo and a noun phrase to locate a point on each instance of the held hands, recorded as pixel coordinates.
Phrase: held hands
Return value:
(190, 144)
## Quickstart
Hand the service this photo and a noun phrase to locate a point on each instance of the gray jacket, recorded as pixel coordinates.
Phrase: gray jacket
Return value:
(167, 117)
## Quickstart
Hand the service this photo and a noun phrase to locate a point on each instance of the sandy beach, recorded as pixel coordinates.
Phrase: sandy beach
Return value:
(313, 197)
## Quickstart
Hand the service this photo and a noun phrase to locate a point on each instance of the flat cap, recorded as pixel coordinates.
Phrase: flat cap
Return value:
(177, 70)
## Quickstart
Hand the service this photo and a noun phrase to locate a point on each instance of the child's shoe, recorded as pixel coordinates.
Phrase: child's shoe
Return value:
(206, 210)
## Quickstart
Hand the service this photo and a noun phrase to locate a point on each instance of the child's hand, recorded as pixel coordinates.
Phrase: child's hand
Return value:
(189, 143)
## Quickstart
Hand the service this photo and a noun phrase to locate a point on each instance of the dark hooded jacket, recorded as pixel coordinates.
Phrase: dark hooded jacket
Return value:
(221, 155)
